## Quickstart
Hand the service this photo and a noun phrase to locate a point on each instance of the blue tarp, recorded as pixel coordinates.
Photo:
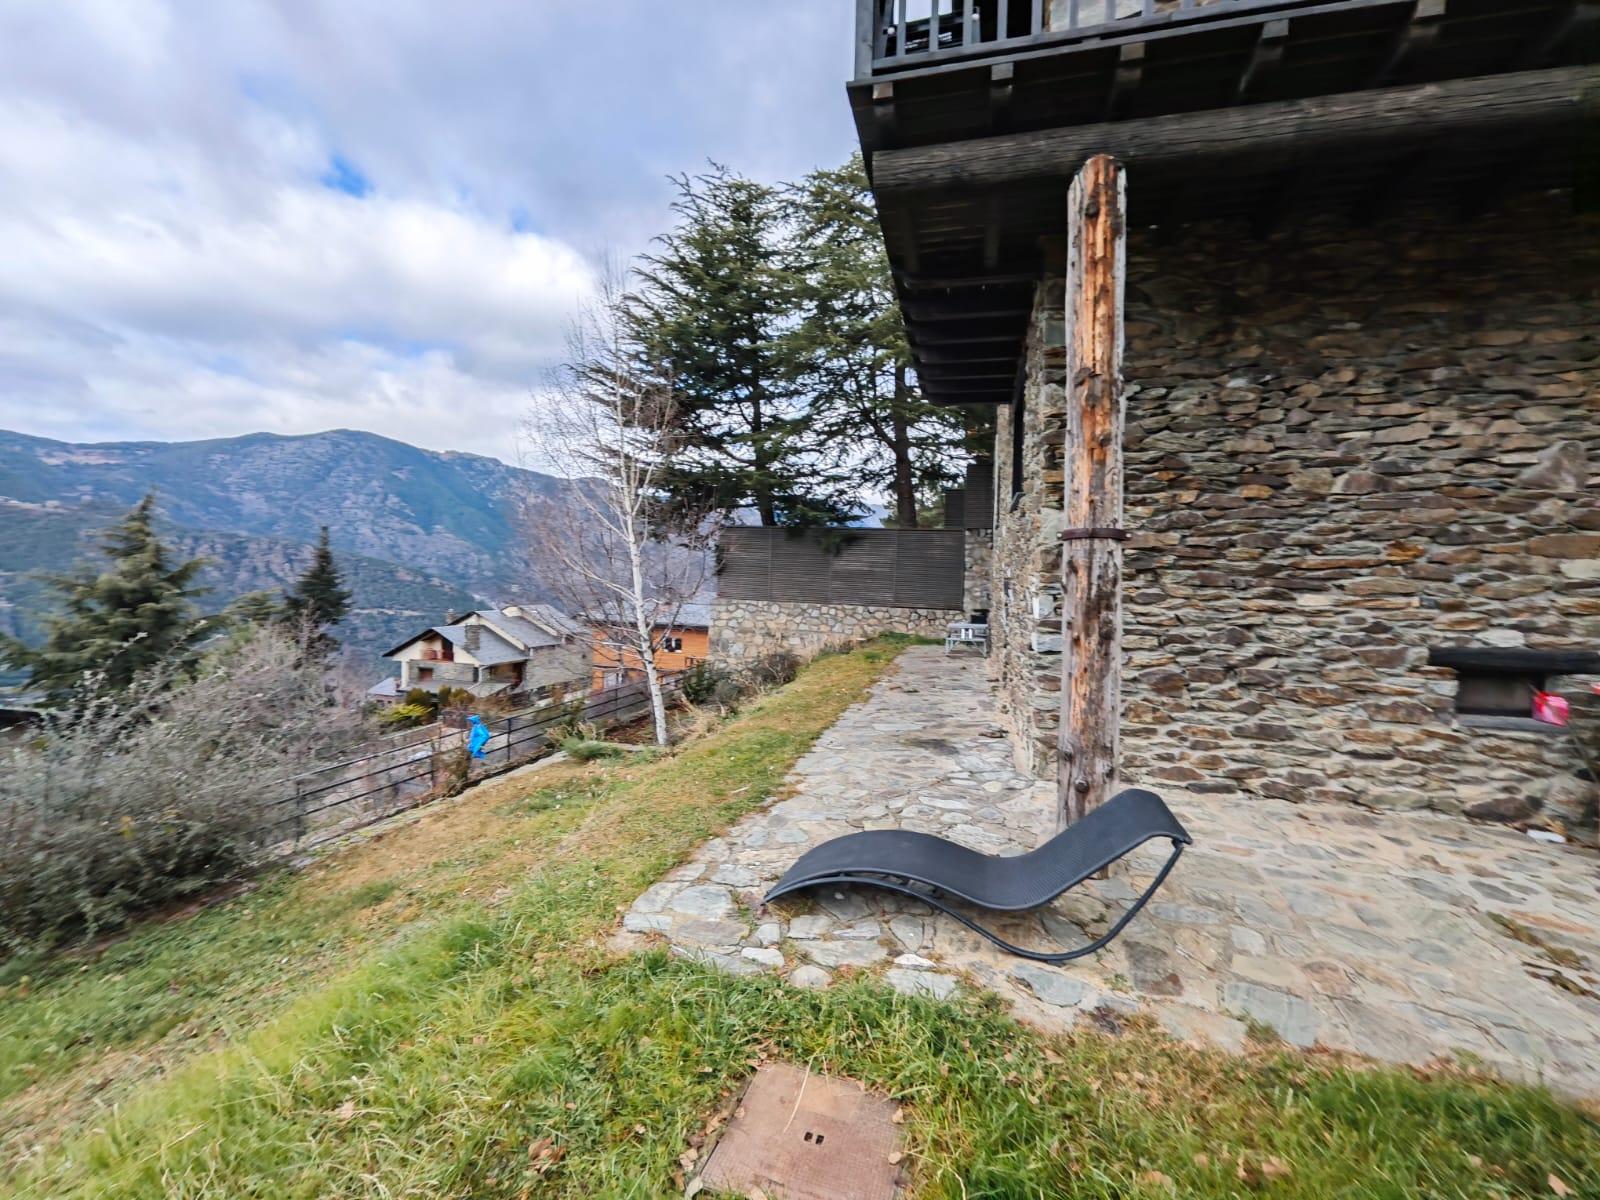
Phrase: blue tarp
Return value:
(478, 738)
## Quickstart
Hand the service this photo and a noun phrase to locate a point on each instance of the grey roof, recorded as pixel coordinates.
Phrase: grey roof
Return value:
(492, 648)
(554, 619)
(503, 635)
(692, 614)
(519, 629)
(385, 689)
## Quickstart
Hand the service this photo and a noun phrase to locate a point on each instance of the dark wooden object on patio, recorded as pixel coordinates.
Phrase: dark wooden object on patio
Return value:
(931, 869)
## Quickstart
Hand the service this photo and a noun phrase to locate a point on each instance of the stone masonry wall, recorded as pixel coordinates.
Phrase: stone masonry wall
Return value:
(745, 629)
(1344, 446)
(975, 587)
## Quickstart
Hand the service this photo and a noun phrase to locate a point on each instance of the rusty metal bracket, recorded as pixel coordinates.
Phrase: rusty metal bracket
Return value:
(1094, 534)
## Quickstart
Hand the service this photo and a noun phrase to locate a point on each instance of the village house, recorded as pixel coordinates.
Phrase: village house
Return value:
(680, 645)
(1288, 314)
(492, 652)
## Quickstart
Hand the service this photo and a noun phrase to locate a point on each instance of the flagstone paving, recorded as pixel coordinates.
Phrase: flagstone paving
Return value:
(1405, 937)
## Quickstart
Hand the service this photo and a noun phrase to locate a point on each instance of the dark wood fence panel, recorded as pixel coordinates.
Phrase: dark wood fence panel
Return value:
(895, 568)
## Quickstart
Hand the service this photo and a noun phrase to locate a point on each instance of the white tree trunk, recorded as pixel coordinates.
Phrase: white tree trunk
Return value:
(646, 639)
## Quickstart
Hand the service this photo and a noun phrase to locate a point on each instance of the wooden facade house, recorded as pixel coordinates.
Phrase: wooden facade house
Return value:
(680, 646)
(1289, 314)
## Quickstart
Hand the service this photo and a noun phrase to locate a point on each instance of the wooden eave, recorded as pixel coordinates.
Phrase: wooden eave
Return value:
(969, 229)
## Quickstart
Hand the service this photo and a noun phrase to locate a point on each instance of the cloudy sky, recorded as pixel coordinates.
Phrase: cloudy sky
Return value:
(293, 215)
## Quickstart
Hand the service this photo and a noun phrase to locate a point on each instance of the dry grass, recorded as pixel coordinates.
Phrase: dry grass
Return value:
(496, 1050)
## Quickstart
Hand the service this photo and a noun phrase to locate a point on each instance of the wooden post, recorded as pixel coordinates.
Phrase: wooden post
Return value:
(1091, 559)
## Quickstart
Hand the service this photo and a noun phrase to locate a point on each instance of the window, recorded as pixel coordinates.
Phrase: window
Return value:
(1496, 693)
(1495, 686)
(424, 673)
(672, 645)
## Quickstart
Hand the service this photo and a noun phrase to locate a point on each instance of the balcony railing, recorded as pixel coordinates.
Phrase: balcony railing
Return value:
(897, 35)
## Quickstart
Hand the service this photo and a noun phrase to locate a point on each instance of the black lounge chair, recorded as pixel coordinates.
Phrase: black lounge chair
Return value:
(927, 867)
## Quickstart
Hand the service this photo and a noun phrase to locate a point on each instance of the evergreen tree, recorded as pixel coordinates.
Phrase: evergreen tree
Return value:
(850, 351)
(714, 311)
(318, 601)
(136, 614)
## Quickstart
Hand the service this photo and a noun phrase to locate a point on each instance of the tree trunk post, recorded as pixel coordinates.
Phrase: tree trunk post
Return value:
(1091, 560)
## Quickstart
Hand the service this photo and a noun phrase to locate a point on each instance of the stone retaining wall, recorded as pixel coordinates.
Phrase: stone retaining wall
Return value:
(745, 629)
(1344, 446)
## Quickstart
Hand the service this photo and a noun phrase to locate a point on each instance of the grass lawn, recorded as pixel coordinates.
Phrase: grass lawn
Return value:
(433, 1014)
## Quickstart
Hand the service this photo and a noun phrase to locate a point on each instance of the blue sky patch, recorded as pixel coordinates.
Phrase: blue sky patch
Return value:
(344, 176)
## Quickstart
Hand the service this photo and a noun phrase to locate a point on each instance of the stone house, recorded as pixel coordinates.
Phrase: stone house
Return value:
(1351, 328)
(494, 652)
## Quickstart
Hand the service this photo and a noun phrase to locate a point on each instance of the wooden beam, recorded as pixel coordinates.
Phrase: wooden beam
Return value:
(1419, 32)
(1126, 78)
(928, 310)
(981, 279)
(1277, 131)
(1091, 600)
(1539, 48)
(940, 356)
(1265, 56)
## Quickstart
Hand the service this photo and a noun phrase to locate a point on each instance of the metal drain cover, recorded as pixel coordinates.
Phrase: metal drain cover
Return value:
(799, 1136)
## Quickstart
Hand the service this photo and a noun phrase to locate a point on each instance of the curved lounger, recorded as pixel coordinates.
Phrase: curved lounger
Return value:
(913, 863)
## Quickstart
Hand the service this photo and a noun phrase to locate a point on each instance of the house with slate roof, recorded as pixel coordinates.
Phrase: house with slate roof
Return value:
(493, 652)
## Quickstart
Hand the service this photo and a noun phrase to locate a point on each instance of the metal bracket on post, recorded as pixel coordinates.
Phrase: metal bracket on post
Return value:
(1094, 535)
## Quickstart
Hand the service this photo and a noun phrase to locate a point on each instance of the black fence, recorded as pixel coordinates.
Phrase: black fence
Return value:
(894, 34)
(892, 568)
(339, 798)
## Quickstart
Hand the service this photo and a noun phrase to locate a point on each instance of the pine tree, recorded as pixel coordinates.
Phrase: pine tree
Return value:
(850, 351)
(117, 625)
(713, 311)
(318, 601)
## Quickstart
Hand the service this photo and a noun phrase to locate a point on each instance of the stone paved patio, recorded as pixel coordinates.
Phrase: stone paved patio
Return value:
(1405, 937)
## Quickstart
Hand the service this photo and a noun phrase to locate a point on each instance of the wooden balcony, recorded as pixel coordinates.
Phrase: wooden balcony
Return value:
(974, 114)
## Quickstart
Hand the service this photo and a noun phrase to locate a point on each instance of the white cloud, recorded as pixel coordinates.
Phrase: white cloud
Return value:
(175, 266)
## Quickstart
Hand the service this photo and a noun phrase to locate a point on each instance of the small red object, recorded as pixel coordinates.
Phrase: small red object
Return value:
(1550, 708)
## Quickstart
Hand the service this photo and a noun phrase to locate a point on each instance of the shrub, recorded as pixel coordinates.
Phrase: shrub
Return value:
(773, 669)
(701, 683)
(589, 749)
(137, 799)
(568, 719)
(405, 715)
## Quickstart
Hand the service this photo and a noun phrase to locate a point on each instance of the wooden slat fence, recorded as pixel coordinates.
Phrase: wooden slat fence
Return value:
(892, 568)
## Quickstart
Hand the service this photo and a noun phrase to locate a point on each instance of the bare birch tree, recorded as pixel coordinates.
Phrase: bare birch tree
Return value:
(625, 561)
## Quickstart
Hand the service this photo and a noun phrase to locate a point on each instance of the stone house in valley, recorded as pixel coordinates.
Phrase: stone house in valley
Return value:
(1311, 352)
(494, 652)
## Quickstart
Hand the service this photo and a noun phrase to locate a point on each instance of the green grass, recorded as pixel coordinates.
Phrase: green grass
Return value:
(485, 1043)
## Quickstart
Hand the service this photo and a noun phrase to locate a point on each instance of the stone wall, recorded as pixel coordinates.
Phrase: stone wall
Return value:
(744, 629)
(976, 587)
(1344, 446)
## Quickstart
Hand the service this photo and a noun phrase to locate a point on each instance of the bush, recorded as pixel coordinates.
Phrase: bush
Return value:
(140, 798)
(405, 715)
(588, 749)
(567, 719)
(773, 669)
(716, 685)
(701, 683)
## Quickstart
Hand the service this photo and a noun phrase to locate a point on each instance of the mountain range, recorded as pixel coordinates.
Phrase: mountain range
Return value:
(416, 532)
